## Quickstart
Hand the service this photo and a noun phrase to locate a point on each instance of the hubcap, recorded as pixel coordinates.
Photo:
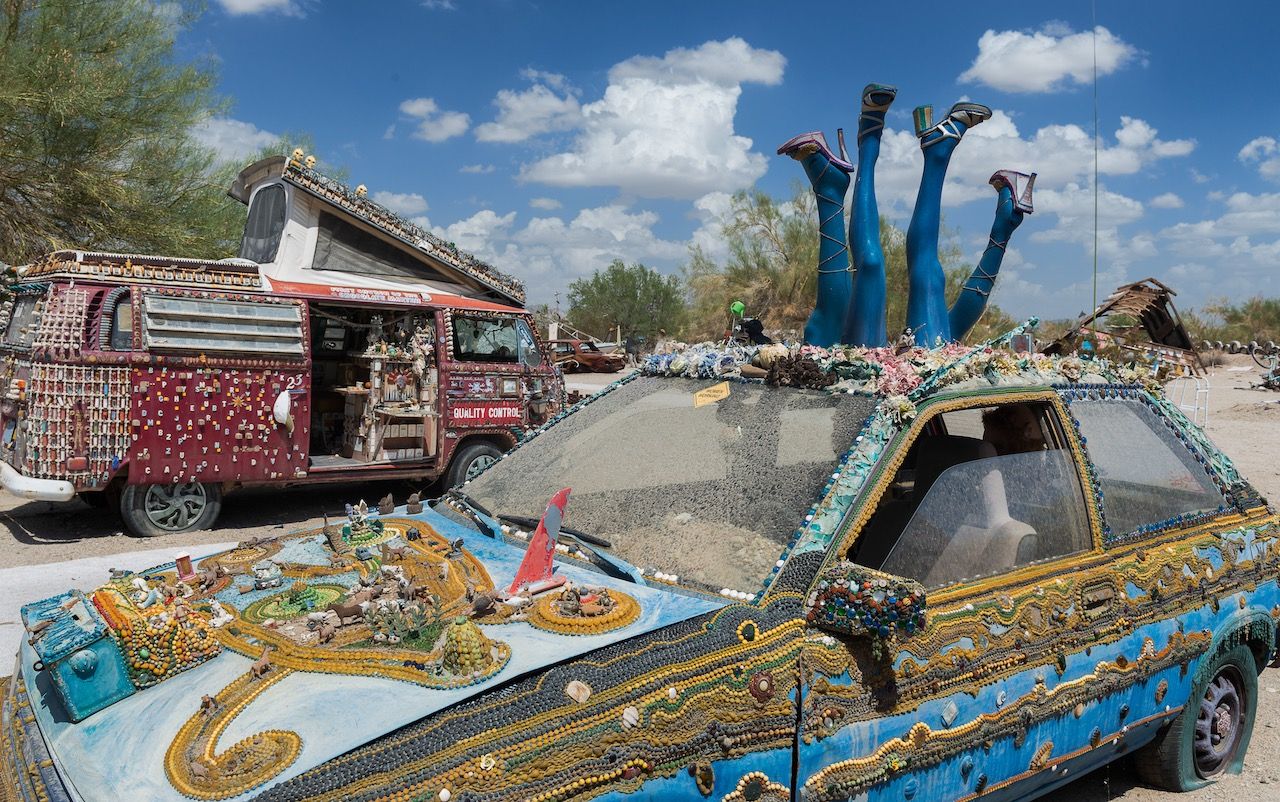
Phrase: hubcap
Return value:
(1218, 723)
(479, 464)
(175, 507)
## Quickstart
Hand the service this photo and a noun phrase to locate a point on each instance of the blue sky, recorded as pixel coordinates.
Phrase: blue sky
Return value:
(551, 138)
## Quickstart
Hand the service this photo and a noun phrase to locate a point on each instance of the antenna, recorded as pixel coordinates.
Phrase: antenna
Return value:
(1094, 6)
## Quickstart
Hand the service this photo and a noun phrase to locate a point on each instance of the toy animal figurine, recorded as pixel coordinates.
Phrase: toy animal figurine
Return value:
(208, 577)
(393, 553)
(198, 769)
(354, 611)
(208, 705)
(120, 573)
(262, 665)
(387, 505)
(326, 631)
(333, 537)
(414, 506)
(412, 533)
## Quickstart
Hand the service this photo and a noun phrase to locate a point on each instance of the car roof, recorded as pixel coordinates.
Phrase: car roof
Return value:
(913, 374)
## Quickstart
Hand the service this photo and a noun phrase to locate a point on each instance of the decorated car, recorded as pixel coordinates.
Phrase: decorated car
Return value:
(932, 574)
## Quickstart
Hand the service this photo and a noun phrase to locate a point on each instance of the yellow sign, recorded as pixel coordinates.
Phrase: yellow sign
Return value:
(714, 393)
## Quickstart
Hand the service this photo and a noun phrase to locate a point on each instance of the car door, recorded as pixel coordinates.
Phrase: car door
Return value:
(974, 640)
(1192, 551)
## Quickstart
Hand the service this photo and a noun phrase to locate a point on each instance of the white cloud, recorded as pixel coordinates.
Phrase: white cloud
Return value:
(233, 140)
(549, 252)
(404, 203)
(1167, 200)
(546, 204)
(433, 123)
(1266, 152)
(1061, 154)
(1074, 207)
(537, 110)
(711, 211)
(440, 5)
(665, 126)
(1047, 60)
(477, 169)
(244, 7)
(1242, 244)
(1199, 177)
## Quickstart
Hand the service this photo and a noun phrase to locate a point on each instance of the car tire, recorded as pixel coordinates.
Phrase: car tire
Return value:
(155, 510)
(1210, 736)
(470, 460)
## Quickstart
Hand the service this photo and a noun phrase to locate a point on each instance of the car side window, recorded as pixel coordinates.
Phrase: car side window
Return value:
(1147, 475)
(980, 492)
(121, 338)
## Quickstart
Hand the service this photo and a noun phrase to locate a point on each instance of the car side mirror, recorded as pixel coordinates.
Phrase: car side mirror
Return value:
(854, 601)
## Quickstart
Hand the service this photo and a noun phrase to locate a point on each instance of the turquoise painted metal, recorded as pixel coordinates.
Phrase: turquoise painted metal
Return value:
(74, 645)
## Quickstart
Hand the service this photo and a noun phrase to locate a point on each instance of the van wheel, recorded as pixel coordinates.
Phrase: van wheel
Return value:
(1210, 736)
(152, 510)
(469, 461)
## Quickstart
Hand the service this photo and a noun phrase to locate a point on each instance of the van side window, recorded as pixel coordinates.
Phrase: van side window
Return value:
(122, 323)
(981, 491)
(265, 225)
(1147, 475)
(486, 339)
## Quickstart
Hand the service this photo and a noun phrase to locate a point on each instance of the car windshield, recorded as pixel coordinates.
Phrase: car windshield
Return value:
(710, 493)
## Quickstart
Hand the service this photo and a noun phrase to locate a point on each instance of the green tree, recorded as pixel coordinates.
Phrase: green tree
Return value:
(95, 131)
(636, 298)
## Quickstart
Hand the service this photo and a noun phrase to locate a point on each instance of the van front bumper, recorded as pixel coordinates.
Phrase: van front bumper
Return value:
(35, 489)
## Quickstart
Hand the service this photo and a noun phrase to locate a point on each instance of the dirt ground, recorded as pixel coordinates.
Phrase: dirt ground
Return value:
(1244, 422)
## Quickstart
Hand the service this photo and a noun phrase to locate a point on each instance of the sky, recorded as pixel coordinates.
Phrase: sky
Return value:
(552, 138)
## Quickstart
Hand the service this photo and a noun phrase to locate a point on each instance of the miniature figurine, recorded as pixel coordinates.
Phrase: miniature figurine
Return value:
(208, 705)
(387, 505)
(393, 553)
(413, 534)
(333, 536)
(266, 574)
(220, 617)
(413, 507)
(262, 665)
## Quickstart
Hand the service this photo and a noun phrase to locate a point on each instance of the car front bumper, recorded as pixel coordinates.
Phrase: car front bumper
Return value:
(34, 489)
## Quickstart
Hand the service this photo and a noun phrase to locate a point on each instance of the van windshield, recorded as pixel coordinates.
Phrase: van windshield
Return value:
(710, 493)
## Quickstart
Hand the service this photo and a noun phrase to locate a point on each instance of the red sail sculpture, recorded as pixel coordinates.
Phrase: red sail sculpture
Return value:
(534, 575)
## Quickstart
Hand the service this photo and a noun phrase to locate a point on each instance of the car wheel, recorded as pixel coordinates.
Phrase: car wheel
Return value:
(1211, 735)
(469, 461)
(153, 510)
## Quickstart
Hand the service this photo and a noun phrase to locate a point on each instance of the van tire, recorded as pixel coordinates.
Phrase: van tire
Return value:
(1229, 685)
(470, 459)
(154, 510)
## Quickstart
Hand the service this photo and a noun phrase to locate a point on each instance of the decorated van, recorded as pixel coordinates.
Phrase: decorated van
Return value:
(344, 343)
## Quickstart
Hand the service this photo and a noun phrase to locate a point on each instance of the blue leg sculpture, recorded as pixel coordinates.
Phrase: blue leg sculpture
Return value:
(829, 177)
(927, 314)
(1014, 203)
(866, 323)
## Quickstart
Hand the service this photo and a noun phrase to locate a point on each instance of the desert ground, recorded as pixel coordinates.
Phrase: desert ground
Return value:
(1244, 422)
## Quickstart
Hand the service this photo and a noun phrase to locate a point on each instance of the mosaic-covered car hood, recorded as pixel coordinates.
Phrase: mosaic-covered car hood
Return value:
(370, 626)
